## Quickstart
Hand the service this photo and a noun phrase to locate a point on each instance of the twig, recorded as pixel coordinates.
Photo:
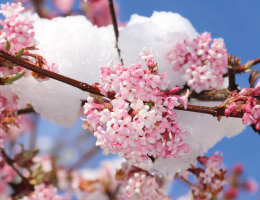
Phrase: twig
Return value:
(25, 183)
(38, 4)
(113, 17)
(231, 78)
(58, 77)
(85, 157)
(215, 111)
(243, 68)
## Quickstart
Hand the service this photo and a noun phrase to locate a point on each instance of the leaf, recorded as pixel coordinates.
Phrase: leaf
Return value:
(8, 80)
(25, 158)
(7, 46)
(20, 53)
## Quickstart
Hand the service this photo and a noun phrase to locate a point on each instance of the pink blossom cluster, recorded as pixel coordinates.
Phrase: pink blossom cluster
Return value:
(43, 192)
(140, 120)
(203, 66)
(138, 184)
(17, 29)
(212, 176)
(244, 101)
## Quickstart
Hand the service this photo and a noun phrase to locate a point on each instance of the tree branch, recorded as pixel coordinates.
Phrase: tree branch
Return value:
(24, 186)
(244, 68)
(113, 17)
(231, 78)
(215, 111)
(58, 77)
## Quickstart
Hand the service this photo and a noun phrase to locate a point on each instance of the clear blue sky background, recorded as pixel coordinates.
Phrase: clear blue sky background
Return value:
(238, 22)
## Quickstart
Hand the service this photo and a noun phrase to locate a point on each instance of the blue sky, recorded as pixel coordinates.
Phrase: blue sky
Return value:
(238, 22)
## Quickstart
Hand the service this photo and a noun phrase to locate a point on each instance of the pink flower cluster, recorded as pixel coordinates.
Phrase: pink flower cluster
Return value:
(203, 67)
(244, 101)
(43, 192)
(212, 176)
(140, 120)
(17, 29)
(138, 184)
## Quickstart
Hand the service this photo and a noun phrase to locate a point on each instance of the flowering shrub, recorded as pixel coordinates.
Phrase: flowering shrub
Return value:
(130, 112)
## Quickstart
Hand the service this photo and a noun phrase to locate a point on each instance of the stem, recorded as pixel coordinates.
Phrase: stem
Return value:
(10, 162)
(240, 69)
(113, 17)
(38, 4)
(58, 77)
(215, 111)
(232, 78)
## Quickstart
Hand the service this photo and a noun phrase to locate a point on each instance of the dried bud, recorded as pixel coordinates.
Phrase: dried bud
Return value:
(120, 175)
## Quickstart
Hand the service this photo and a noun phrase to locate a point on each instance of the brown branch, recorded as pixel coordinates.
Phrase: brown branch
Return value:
(214, 111)
(85, 157)
(231, 78)
(85, 87)
(24, 186)
(113, 17)
(38, 5)
(58, 77)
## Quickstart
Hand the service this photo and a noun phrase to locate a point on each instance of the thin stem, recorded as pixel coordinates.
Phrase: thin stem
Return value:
(241, 69)
(214, 111)
(10, 162)
(113, 17)
(58, 77)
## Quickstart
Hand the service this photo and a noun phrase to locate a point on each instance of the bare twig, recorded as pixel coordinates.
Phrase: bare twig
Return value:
(38, 5)
(113, 17)
(58, 77)
(214, 111)
(245, 67)
(24, 186)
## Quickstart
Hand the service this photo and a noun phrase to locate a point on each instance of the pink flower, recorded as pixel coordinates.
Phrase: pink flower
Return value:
(63, 5)
(207, 176)
(231, 193)
(149, 62)
(251, 186)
